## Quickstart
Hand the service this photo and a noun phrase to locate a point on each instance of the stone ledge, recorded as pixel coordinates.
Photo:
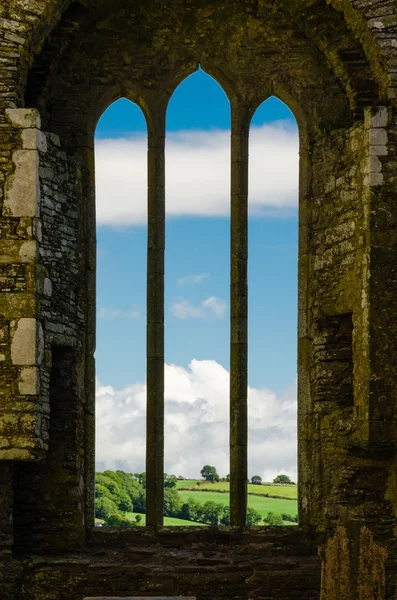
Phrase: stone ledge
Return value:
(24, 118)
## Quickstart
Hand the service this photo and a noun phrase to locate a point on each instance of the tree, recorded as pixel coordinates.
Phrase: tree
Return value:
(110, 483)
(209, 473)
(117, 520)
(138, 519)
(140, 503)
(273, 519)
(253, 517)
(212, 512)
(256, 479)
(225, 516)
(102, 491)
(227, 477)
(288, 517)
(122, 489)
(130, 485)
(169, 481)
(141, 477)
(125, 502)
(191, 511)
(104, 507)
(172, 503)
(282, 479)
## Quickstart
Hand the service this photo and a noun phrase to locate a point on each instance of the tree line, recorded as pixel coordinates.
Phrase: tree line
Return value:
(118, 493)
(209, 473)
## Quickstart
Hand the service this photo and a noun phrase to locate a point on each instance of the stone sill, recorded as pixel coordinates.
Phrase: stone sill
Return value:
(115, 536)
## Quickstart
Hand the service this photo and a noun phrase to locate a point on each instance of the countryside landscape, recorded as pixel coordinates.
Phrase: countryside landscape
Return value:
(120, 500)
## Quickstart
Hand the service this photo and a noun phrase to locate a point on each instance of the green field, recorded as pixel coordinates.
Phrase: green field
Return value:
(282, 491)
(186, 483)
(262, 504)
(168, 521)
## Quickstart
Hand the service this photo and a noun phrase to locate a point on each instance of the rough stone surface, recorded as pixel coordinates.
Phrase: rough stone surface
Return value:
(25, 118)
(334, 62)
(22, 195)
(24, 342)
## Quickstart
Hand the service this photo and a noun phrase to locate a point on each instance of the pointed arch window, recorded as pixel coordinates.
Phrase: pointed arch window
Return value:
(242, 110)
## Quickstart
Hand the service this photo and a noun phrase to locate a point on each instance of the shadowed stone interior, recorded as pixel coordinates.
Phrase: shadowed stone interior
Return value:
(334, 63)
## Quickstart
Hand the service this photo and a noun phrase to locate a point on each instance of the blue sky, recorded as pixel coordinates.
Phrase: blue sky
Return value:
(197, 242)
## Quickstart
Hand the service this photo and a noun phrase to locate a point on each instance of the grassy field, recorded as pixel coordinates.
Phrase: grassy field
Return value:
(186, 483)
(282, 491)
(262, 504)
(168, 521)
(202, 492)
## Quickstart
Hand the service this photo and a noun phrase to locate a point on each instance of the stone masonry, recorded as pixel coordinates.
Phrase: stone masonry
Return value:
(334, 62)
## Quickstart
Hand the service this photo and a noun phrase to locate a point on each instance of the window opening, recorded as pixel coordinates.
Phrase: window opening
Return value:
(121, 209)
(201, 383)
(272, 310)
(197, 326)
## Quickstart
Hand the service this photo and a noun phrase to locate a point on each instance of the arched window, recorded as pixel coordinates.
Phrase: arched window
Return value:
(197, 293)
(121, 214)
(193, 389)
(272, 310)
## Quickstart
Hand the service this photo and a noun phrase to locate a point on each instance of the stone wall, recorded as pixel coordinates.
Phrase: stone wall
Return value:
(24, 420)
(261, 563)
(334, 62)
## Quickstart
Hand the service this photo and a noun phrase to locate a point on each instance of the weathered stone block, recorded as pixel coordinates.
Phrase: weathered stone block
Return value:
(34, 139)
(27, 346)
(377, 137)
(378, 150)
(376, 179)
(16, 251)
(379, 117)
(29, 381)
(22, 198)
(375, 166)
(24, 117)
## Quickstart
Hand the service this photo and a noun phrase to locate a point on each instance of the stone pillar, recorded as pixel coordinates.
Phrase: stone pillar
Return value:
(155, 315)
(357, 456)
(24, 399)
(239, 313)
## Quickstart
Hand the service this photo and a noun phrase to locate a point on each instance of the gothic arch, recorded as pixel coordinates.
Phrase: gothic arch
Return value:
(333, 63)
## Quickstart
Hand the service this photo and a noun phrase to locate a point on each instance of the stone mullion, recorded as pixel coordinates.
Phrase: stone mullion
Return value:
(239, 316)
(155, 323)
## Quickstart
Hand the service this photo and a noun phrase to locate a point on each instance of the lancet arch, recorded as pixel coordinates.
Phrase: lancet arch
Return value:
(63, 63)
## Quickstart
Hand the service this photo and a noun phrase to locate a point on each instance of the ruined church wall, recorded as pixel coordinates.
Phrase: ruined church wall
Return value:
(347, 335)
(49, 496)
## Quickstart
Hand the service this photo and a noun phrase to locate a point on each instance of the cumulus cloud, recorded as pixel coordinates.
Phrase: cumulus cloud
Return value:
(215, 305)
(192, 279)
(196, 424)
(116, 313)
(197, 174)
(212, 307)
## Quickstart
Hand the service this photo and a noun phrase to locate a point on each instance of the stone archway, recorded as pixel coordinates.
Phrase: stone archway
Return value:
(322, 60)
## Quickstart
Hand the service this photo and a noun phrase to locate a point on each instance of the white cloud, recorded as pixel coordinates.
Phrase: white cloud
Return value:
(116, 313)
(192, 279)
(197, 174)
(215, 305)
(196, 424)
(212, 307)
